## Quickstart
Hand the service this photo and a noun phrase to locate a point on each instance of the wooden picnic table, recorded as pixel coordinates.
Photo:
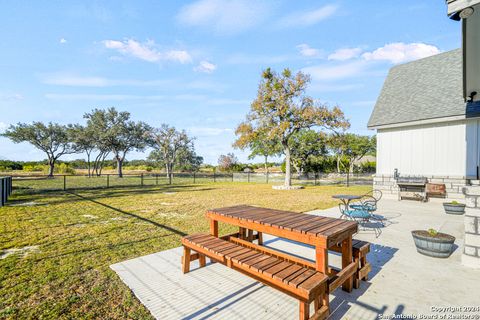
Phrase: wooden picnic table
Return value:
(321, 232)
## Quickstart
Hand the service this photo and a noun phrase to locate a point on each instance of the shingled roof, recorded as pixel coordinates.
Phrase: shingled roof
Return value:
(424, 89)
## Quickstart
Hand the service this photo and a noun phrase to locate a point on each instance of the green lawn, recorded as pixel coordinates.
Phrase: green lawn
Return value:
(69, 239)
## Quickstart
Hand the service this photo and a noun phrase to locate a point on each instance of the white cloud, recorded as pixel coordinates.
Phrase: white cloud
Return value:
(206, 67)
(309, 17)
(223, 16)
(147, 51)
(63, 40)
(307, 51)
(3, 126)
(345, 54)
(399, 52)
(335, 72)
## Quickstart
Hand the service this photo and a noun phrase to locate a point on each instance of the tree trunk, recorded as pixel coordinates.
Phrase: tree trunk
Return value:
(266, 164)
(119, 166)
(288, 171)
(51, 168)
(338, 164)
(88, 164)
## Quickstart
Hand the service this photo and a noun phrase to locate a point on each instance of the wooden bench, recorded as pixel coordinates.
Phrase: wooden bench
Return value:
(360, 249)
(288, 274)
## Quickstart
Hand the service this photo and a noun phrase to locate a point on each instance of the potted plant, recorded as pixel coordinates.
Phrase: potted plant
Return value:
(454, 207)
(433, 243)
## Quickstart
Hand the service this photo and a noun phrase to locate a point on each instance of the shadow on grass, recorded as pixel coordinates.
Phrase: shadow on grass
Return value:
(173, 230)
(98, 193)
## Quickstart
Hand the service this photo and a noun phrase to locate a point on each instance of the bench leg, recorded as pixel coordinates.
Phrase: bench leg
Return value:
(260, 238)
(304, 313)
(186, 260)
(201, 260)
(356, 276)
(363, 261)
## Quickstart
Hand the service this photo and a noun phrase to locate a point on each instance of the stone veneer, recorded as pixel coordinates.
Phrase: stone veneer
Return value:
(471, 251)
(454, 184)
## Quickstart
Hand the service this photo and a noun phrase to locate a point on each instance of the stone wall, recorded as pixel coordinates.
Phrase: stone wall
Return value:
(454, 185)
(471, 251)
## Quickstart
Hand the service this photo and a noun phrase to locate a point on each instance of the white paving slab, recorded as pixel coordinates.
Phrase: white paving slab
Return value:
(401, 282)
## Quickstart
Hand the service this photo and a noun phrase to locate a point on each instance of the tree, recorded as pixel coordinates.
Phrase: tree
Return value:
(227, 162)
(261, 146)
(52, 138)
(169, 144)
(307, 145)
(356, 146)
(281, 109)
(336, 143)
(118, 133)
(84, 141)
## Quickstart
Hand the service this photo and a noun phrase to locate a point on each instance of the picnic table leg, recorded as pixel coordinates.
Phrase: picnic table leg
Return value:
(346, 260)
(304, 311)
(242, 232)
(260, 238)
(214, 228)
(321, 258)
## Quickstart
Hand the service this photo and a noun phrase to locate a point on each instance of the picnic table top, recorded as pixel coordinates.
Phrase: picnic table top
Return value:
(301, 227)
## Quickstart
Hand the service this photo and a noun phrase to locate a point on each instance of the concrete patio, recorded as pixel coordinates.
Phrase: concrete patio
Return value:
(401, 281)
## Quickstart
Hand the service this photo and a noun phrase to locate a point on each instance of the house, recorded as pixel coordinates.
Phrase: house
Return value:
(425, 127)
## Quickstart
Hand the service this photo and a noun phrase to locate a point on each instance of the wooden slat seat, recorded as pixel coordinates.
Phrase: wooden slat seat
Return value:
(290, 277)
(360, 249)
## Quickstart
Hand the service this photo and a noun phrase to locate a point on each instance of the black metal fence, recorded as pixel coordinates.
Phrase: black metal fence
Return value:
(70, 182)
(6, 186)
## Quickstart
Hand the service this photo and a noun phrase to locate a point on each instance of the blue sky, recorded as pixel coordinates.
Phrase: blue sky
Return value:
(196, 64)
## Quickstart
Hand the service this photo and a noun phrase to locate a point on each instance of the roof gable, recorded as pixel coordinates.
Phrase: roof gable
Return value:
(424, 89)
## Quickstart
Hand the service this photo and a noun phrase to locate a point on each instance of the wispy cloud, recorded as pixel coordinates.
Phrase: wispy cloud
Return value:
(73, 80)
(11, 96)
(307, 51)
(147, 51)
(345, 54)
(337, 71)
(308, 17)
(242, 58)
(209, 131)
(63, 40)
(399, 52)
(100, 97)
(205, 67)
(223, 16)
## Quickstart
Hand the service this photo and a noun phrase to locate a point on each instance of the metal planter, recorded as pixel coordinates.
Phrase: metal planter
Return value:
(454, 208)
(439, 246)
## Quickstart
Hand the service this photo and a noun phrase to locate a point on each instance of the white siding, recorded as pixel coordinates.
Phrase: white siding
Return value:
(430, 149)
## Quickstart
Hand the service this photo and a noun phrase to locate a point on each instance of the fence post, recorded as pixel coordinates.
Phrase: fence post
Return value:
(233, 174)
(348, 178)
(214, 178)
(64, 182)
(141, 179)
(266, 176)
(193, 176)
(315, 175)
(156, 179)
(108, 180)
(248, 176)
